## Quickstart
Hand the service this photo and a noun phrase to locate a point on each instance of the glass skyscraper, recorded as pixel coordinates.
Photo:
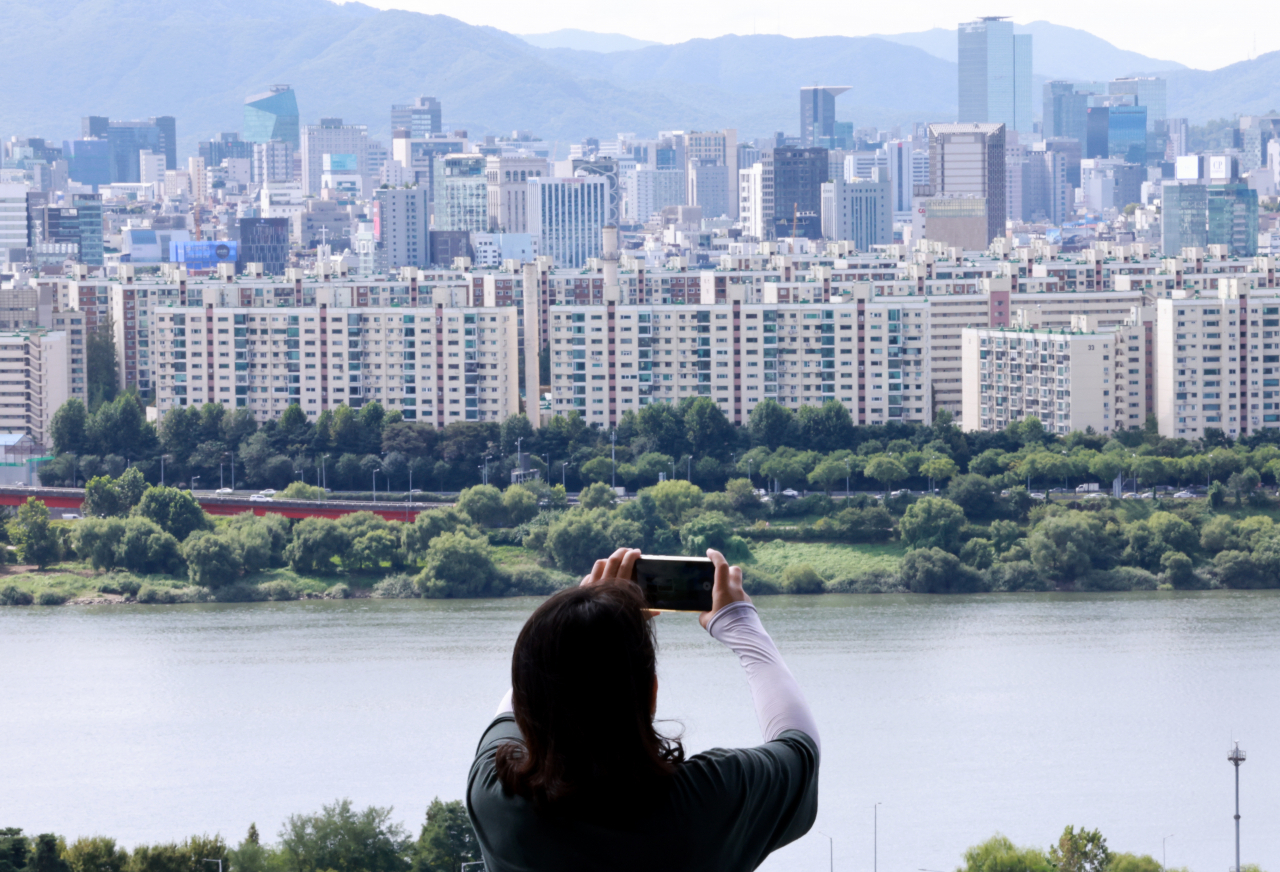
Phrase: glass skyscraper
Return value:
(272, 115)
(995, 74)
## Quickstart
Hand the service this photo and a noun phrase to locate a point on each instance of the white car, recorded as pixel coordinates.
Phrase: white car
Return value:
(259, 498)
(267, 493)
(223, 491)
(1096, 496)
(1184, 495)
(790, 493)
(1036, 496)
(1129, 496)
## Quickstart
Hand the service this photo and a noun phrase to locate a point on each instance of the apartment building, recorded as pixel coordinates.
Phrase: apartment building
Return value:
(1071, 379)
(430, 358)
(36, 379)
(1218, 360)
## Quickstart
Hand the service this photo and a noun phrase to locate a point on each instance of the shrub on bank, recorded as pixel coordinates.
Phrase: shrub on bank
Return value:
(12, 595)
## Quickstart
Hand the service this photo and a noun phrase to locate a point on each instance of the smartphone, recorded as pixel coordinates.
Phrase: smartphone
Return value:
(676, 584)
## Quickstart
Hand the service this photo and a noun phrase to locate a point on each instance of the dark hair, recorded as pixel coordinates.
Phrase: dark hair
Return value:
(582, 678)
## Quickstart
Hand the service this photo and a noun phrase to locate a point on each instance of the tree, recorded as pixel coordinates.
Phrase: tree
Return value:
(886, 470)
(597, 495)
(69, 428)
(145, 548)
(520, 504)
(343, 840)
(447, 839)
(130, 487)
(14, 850)
(298, 490)
(101, 498)
(577, 539)
(1151, 538)
(673, 498)
(176, 511)
(95, 854)
(998, 854)
(1080, 851)
(101, 364)
(369, 551)
(212, 560)
(316, 542)
(1062, 546)
(1242, 484)
(939, 468)
(973, 493)
(828, 472)
(457, 565)
(770, 424)
(598, 469)
(828, 427)
(47, 855)
(742, 495)
(514, 428)
(483, 504)
(32, 532)
(1177, 571)
(95, 539)
(978, 553)
(932, 522)
(713, 530)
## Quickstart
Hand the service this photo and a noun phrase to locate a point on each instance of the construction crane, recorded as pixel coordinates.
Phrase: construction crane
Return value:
(795, 219)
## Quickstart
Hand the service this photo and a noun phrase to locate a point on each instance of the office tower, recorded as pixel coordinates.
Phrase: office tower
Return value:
(507, 177)
(1148, 91)
(1233, 218)
(1127, 133)
(995, 74)
(168, 127)
(1047, 193)
(902, 158)
(968, 160)
(1184, 217)
(400, 218)
(792, 191)
(264, 241)
(650, 191)
(461, 200)
(1110, 183)
(125, 139)
(197, 179)
(330, 136)
(607, 169)
(94, 127)
(858, 211)
(272, 115)
(751, 200)
(712, 187)
(1097, 132)
(445, 246)
(151, 168)
(818, 113)
(1064, 111)
(568, 216)
(78, 223)
(417, 156)
(227, 145)
(421, 118)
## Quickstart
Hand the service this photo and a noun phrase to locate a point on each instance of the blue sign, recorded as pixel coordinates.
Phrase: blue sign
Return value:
(203, 255)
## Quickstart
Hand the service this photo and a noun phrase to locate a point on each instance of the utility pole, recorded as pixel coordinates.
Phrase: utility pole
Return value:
(1236, 757)
(875, 838)
(831, 845)
(1162, 851)
(613, 455)
(162, 457)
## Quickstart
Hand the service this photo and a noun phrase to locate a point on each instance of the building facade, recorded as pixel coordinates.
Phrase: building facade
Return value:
(994, 74)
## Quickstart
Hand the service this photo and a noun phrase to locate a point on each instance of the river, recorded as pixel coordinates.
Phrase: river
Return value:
(961, 716)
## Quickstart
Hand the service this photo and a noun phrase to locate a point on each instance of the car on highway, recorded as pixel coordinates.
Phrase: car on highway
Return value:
(259, 498)
(223, 491)
(1184, 495)
(267, 493)
(1036, 496)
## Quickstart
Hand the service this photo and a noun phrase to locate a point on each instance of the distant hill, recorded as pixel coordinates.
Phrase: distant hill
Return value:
(198, 61)
(585, 40)
(1058, 52)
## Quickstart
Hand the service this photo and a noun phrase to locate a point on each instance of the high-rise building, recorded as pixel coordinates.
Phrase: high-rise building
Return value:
(607, 169)
(818, 113)
(751, 200)
(13, 222)
(37, 368)
(1047, 195)
(264, 241)
(792, 191)
(968, 160)
(400, 217)
(168, 127)
(567, 217)
(507, 177)
(227, 145)
(271, 115)
(74, 227)
(330, 136)
(1148, 91)
(1233, 218)
(712, 187)
(858, 211)
(462, 193)
(1064, 111)
(421, 117)
(995, 74)
(651, 191)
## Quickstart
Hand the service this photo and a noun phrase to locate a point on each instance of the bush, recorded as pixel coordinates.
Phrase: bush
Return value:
(148, 595)
(1118, 579)
(51, 598)
(298, 490)
(874, 581)
(121, 585)
(12, 595)
(597, 496)
(212, 561)
(578, 539)
(338, 591)
(932, 570)
(526, 580)
(316, 542)
(483, 504)
(759, 583)
(396, 587)
(238, 592)
(932, 522)
(802, 578)
(709, 530)
(1016, 575)
(457, 565)
(277, 591)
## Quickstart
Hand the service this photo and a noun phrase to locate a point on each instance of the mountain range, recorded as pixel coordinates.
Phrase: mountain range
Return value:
(199, 59)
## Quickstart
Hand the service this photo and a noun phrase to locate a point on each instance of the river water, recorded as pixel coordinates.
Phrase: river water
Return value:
(961, 716)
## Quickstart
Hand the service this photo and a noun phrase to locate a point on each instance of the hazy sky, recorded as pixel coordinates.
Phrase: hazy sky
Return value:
(1195, 34)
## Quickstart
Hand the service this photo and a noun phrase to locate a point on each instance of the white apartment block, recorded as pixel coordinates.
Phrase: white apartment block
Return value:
(1071, 379)
(567, 216)
(331, 136)
(36, 379)
(751, 213)
(433, 361)
(1218, 360)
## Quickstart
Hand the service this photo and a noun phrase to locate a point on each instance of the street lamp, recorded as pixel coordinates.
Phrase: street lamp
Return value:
(162, 458)
(1236, 756)
(875, 838)
(613, 455)
(194, 479)
(324, 471)
(1163, 839)
(564, 464)
(375, 484)
(831, 845)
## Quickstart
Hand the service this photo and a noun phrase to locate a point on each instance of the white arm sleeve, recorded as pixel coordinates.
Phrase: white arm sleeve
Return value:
(505, 706)
(780, 706)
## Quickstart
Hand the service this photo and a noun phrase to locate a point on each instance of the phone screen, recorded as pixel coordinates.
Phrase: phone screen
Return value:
(676, 584)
